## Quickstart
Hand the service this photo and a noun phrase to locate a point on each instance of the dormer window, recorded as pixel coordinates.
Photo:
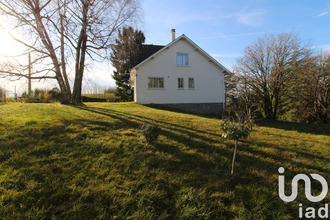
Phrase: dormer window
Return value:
(182, 59)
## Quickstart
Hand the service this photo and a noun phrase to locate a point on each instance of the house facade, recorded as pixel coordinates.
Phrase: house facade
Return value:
(180, 75)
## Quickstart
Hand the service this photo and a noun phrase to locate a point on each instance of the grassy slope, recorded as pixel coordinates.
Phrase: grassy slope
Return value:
(60, 161)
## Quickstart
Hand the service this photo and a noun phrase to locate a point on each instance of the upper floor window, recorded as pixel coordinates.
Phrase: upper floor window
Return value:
(180, 83)
(156, 83)
(182, 59)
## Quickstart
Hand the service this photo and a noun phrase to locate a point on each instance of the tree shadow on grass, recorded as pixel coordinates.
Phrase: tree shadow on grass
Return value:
(199, 140)
(137, 119)
(280, 160)
(177, 110)
(193, 163)
(320, 129)
(194, 139)
(190, 170)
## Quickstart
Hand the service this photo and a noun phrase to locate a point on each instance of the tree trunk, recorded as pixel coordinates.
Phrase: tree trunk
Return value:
(80, 58)
(76, 95)
(65, 91)
(63, 61)
(80, 65)
(29, 78)
(233, 163)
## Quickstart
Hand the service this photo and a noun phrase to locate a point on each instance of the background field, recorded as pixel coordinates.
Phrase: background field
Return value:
(108, 96)
(59, 161)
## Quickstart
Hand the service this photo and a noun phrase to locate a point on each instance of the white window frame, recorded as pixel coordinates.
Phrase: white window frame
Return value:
(155, 82)
(180, 61)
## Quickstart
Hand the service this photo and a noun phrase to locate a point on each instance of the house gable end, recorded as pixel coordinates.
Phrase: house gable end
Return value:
(191, 43)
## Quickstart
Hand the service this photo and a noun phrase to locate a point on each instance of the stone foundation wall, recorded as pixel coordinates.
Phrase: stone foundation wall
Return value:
(197, 108)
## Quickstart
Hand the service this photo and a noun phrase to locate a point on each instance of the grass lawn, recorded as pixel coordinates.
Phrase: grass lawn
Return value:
(65, 162)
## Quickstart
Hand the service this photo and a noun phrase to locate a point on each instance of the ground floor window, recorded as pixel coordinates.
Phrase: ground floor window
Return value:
(180, 83)
(191, 83)
(156, 83)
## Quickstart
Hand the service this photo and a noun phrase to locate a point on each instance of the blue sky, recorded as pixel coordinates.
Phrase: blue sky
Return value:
(224, 28)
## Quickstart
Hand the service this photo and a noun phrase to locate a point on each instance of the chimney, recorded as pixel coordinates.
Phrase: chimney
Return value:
(173, 34)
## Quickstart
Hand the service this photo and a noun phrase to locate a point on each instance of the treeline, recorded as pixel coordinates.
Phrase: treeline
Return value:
(36, 96)
(278, 77)
(42, 96)
(39, 95)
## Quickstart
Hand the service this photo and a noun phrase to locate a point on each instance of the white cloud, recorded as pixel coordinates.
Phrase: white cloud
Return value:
(323, 47)
(253, 18)
(323, 14)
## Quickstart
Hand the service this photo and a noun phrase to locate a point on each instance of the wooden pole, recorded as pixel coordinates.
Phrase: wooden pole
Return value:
(29, 78)
(15, 95)
(233, 163)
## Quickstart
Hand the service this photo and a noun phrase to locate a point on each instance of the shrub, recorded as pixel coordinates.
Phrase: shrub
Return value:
(42, 96)
(149, 132)
(235, 131)
(55, 94)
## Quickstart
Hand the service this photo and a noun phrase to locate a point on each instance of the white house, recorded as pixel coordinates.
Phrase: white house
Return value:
(180, 75)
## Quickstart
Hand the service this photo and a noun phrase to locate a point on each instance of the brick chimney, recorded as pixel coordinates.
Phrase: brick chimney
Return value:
(173, 34)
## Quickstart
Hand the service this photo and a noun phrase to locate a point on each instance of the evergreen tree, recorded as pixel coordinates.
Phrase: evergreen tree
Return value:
(125, 55)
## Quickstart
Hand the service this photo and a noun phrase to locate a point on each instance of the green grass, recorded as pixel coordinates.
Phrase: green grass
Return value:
(65, 162)
(108, 96)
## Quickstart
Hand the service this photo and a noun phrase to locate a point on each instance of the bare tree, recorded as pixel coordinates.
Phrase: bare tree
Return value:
(246, 97)
(323, 91)
(239, 99)
(270, 66)
(311, 94)
(64, 32)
